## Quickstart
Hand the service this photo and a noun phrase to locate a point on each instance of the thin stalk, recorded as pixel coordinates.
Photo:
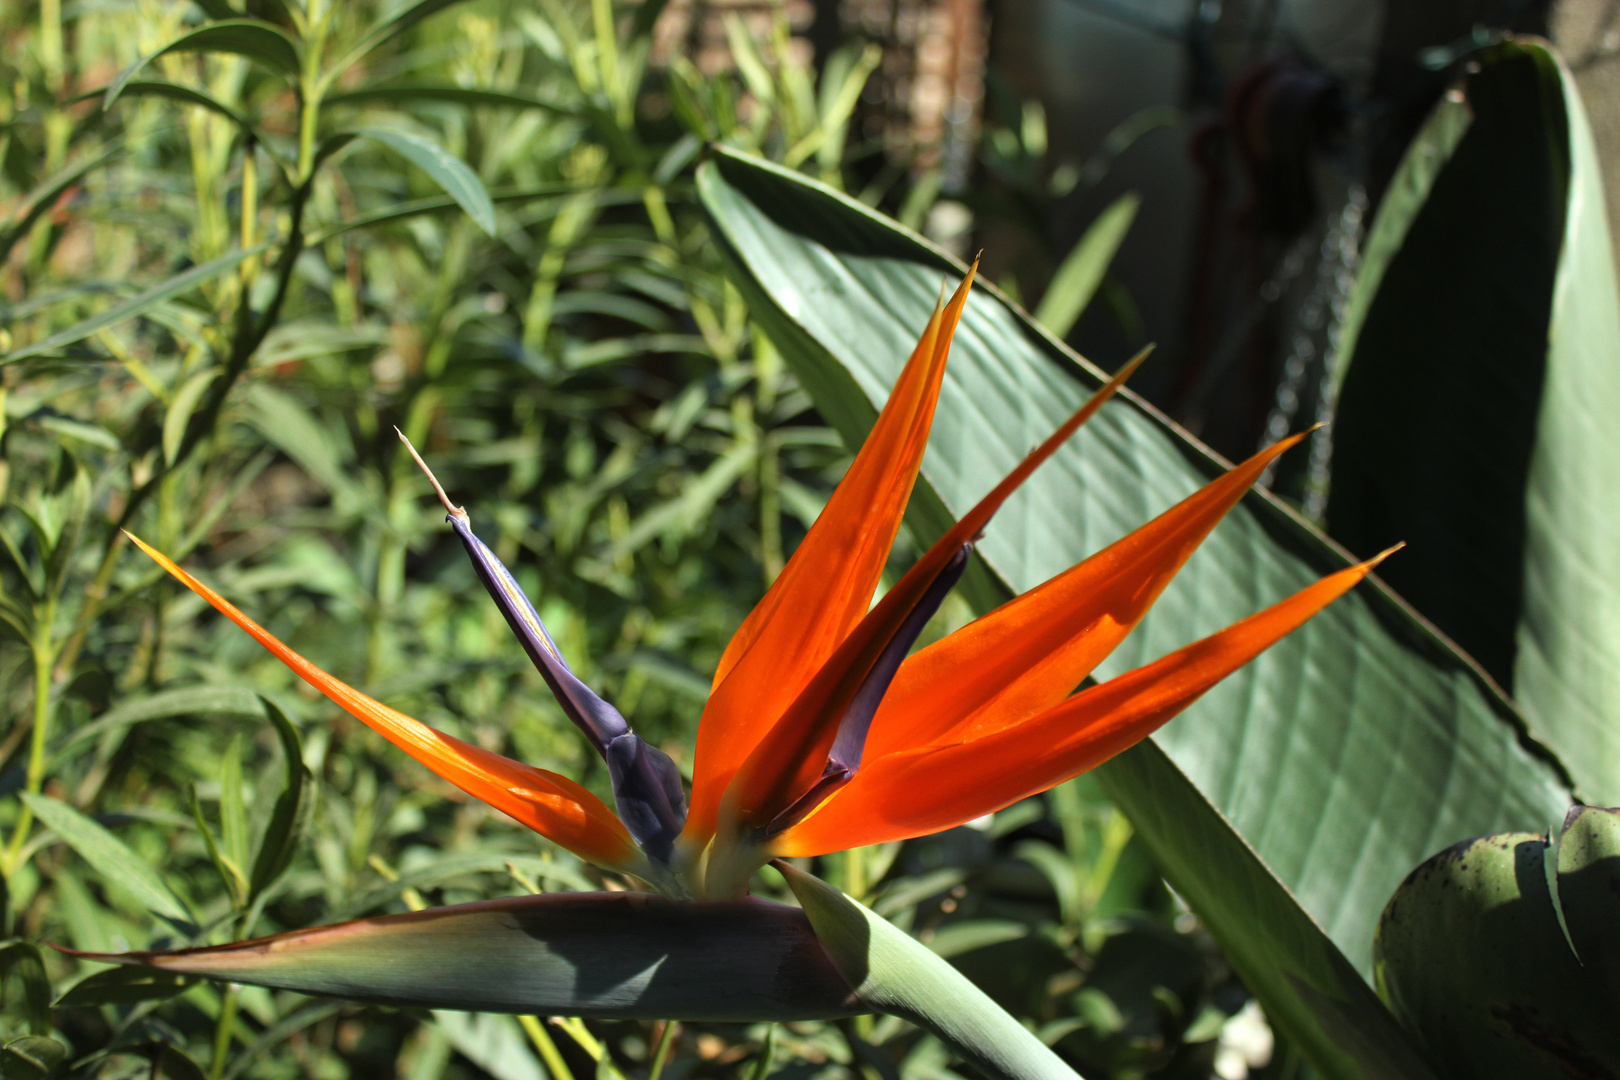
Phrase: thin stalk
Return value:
(223, 1031)
(548, 1050)
(666, 1039)
(44, 657)
(250, 215)
(582, 1035)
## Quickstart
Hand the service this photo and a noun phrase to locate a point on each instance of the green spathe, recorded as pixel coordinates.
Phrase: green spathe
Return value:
(894, 973)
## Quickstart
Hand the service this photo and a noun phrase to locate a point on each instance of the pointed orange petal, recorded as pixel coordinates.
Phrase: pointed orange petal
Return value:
(787, 762)
(929, 788)
(827, 586)
(1030, 653)
(552, 805)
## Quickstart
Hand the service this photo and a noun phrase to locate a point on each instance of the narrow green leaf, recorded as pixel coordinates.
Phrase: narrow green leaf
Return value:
(31, 1058)
(448, 171)
(228, 871)
(121, 986)
(1476, 415)
(281, 836)
(190, 701)
(110, 857)
(609, 955)
(22, 967)
(172, 1064)
(187, 96)
(263, 42)
(135, 305)
(449, 94)
(894, 973)
(233, 804)
(180, 409)
(386, 27)
(1076, 280)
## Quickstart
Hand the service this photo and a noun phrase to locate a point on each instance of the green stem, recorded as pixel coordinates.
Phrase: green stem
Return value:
(666, 1039)
(44, 657)
(548, 1050)
(223, 1032)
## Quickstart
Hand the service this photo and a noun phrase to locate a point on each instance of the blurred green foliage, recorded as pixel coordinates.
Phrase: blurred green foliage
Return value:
(296, 227)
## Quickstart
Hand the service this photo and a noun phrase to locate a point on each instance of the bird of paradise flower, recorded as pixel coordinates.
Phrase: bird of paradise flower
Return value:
(821, 732)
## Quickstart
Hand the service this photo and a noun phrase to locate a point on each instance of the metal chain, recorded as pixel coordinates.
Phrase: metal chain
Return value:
(1320, 319)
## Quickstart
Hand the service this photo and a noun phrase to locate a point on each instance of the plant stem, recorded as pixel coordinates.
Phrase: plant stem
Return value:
(666, 1039)
(548, 1050)
(223, 1031)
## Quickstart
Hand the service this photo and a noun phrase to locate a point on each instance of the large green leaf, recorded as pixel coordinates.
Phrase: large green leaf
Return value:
(1341, 758)
(610, 955)
(1476, 417)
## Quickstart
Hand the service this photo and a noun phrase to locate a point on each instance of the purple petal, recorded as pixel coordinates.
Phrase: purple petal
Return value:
(844, 759)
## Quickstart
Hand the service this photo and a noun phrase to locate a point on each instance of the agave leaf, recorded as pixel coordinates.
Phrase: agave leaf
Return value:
(605, 955)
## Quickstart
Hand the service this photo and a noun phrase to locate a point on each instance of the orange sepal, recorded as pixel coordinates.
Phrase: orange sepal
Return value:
(1030, 653)
(827, 585)
(789, 760)
(552, 805)
(930, 788)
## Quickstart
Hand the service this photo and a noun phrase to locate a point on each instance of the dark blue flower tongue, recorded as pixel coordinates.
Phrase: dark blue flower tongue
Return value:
(844, 759)
(647, 787)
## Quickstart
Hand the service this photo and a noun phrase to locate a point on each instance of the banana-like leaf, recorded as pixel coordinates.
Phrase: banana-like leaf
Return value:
(607, 955)
(1337, 761)
(1476, 417)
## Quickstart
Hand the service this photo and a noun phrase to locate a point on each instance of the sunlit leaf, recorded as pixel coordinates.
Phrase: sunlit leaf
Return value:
(1081, 271)
(135, 305)
(110, 856)
(447, 170)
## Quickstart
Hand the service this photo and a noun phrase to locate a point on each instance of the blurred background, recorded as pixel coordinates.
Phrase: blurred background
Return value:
(581, 375)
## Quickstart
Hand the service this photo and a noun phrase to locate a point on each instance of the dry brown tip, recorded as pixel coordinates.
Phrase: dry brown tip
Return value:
(450, 508)
(1382, 555)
